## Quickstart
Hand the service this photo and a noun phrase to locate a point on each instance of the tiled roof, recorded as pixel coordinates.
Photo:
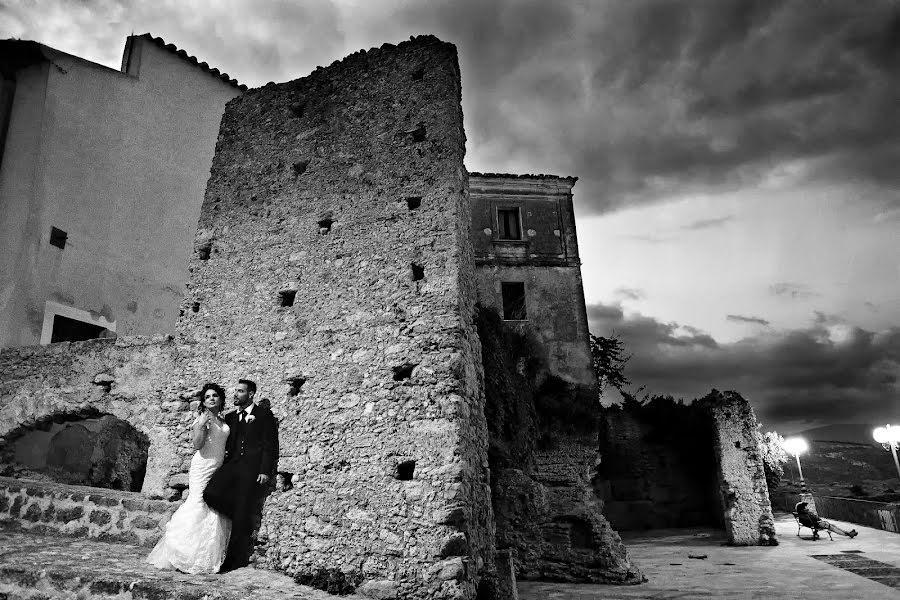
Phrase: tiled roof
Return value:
(520, 176)
(193, 60)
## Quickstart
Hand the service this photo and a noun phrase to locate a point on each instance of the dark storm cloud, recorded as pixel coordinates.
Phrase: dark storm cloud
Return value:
(743, 319)
(642, 99)
(651, 98)
(799, 374)
(791, 290)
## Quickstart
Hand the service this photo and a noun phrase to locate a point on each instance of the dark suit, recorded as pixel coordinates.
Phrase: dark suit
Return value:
(233, 490)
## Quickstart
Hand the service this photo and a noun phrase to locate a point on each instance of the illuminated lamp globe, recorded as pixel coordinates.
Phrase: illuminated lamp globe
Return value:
(881, 435)
(796, 446)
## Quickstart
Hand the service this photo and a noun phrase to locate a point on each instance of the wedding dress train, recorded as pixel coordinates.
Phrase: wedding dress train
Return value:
(196, 536)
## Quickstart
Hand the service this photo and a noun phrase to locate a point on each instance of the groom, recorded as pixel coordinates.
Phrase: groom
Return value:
(250, 455)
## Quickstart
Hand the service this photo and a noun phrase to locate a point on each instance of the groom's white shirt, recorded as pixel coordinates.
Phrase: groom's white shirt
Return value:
(246, 411)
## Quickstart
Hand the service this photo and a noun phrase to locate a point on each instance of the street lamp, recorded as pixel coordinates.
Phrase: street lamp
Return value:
(797, 446)
(889, 438)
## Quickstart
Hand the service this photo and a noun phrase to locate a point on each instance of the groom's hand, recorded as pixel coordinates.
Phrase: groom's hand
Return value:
(262, 479)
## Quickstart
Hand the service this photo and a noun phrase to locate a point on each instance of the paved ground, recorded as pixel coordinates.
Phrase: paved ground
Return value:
(40, 567)
(786, 571)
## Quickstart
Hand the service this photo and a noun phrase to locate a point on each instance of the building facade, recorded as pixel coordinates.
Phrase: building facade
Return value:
(526, 254)
(101, 182)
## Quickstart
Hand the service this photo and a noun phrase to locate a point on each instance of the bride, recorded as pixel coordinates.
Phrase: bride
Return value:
(196, 536)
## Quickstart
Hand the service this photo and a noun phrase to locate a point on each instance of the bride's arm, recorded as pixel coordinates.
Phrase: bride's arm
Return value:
(200, 430)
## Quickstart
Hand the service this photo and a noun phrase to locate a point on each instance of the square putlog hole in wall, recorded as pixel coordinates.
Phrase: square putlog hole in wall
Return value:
(403, 371)
(325, 222)
(204, 250)
(300, 167)
(295, 383)
(414, 202)
(417, 272)
(405, 470)
(286, 297)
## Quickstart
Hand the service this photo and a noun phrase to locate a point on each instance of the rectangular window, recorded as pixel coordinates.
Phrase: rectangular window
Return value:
(508, 224)
(71, 330)
(513, 301)
(58, 237)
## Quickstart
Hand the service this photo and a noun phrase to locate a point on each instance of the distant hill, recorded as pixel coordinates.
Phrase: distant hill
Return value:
(831, 468)
(856, 433)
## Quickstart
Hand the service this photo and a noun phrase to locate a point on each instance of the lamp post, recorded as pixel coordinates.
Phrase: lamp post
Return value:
(797, 446)
(889, 437)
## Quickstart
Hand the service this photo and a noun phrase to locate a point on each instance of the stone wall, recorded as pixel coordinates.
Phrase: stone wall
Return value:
(101, 452)
(133, 379)
(657, 469)
(543, 456)
(105, 515)
(333, 267)
(742, 480)
(670, 464)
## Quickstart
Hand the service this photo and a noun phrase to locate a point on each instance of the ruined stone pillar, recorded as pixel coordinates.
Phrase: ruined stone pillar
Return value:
(741, 477)
(334, 268)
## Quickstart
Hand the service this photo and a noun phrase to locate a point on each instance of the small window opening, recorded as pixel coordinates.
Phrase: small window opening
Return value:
(405, 470)
(295, 384)
(508, 224)
(300, 167)
(204, 251)
(418, 272)
(418, 134)
(513, 301)
(403, 371)
(418, 74)
(287, 297)
(72, 330)
(58, 237)
(414, 202)
(737, 445)
(195, 307)
(298, 108)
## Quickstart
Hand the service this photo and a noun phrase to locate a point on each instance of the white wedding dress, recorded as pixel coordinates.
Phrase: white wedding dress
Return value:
(196, 536)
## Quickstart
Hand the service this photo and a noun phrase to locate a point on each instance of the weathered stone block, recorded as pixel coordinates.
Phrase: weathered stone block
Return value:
(33, 513)
(100, 517)
(384, 589)
(72, 513)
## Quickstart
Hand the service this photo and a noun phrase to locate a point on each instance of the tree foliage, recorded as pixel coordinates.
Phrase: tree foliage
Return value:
(771, 446)
(609, 360)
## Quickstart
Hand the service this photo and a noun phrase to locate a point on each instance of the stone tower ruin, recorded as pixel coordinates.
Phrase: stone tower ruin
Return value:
(334, 265)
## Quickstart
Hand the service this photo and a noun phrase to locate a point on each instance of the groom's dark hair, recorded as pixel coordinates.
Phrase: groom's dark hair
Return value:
(251, 385)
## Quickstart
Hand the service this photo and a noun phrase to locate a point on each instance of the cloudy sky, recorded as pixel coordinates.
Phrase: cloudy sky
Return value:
(738, 203)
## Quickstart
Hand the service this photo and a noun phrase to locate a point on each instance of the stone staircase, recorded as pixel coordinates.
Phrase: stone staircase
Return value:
(65, 542)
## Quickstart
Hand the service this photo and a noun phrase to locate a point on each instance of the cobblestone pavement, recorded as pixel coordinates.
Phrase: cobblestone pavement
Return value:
(84, 568)
(731, 573)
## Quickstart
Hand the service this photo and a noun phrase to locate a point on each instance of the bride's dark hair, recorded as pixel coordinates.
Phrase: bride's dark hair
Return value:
(216, 388)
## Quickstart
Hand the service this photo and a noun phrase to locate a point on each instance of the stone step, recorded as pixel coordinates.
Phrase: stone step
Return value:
(45, 507)
(55, 568)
